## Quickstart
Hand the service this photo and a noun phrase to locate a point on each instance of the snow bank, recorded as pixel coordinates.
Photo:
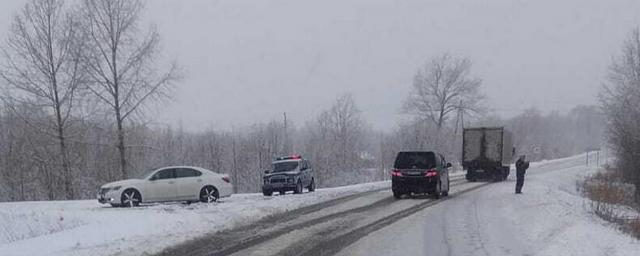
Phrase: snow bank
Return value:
(88, 228)
(553, 213)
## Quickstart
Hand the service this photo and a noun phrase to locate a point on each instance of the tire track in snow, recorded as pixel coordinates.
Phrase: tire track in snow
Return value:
(445, 235)
(333, 245)
(230, 241)
(476, 229)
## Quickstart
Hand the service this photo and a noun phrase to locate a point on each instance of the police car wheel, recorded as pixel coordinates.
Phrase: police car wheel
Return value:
(298, 189)
(312, 186)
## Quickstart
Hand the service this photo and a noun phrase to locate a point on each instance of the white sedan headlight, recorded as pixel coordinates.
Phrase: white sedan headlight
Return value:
(107, 189)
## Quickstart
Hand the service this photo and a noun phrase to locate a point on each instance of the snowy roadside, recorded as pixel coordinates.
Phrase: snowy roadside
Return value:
(88, 228)
(555, 216)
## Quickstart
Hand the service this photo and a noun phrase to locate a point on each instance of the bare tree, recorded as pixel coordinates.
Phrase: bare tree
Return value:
(335, 142)
(42, 62)
(443, 87)
(620, 100)
(122, 63)
(346, 128)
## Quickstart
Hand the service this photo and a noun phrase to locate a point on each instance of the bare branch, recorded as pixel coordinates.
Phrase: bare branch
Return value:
(442, 87)
(122, 62)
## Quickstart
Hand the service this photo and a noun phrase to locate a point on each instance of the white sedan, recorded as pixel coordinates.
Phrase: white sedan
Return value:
(174, 183)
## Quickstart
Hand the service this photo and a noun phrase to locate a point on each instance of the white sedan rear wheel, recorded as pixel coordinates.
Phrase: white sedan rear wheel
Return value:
(209, 194)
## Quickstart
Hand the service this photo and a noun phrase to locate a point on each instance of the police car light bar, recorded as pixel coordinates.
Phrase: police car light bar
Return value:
(289, 157)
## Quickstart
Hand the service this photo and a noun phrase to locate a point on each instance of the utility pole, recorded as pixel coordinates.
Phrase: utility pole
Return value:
(285, 146)
(459, 118)
(382, 163)
(235, 164)
(455, 131)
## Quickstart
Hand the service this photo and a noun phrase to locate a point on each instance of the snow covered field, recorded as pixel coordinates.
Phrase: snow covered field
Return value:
(550, 218)
(88, 228)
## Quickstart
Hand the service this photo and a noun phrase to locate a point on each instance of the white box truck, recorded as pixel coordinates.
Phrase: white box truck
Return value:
(487, 153)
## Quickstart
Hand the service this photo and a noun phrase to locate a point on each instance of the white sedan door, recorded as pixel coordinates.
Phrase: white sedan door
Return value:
(189, 182)
(162, 186)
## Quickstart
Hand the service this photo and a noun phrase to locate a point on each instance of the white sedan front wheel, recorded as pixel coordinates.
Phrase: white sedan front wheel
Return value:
(130, 198)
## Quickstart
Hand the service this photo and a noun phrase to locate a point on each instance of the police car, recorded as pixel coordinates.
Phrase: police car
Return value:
(289, 173)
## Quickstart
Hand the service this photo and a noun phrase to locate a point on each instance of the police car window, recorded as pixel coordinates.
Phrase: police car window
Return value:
(285, 166)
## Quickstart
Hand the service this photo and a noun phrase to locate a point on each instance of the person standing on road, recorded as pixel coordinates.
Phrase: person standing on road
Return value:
(521, 168)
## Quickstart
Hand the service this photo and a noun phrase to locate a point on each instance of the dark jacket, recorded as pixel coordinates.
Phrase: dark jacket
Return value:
(521, 166)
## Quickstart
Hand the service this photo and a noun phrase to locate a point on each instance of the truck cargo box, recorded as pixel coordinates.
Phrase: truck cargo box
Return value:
(487, 151)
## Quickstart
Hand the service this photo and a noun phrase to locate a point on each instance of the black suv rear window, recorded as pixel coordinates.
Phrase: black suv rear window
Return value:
(415, 160)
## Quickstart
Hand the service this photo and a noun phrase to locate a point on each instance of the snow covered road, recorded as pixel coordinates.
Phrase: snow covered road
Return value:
(317, 230)
(548, 219)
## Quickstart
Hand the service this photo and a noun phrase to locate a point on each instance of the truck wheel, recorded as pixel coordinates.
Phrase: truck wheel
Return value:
(282, 192)
(506, 173)
(267, 192)
(470, 177)
(497, 177)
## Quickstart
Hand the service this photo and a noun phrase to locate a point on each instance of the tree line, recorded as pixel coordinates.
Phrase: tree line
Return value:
(77, 81)
(61, 59)
(343, 148)
(620, 100)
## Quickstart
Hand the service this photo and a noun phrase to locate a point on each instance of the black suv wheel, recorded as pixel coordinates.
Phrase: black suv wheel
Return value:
(438, 191)
(397, 195)
(446, 192)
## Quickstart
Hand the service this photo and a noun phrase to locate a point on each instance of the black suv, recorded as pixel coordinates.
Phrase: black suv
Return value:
(423, 172)
(291, 173)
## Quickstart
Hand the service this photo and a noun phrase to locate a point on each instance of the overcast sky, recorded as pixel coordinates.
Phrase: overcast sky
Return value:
(250, 61)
